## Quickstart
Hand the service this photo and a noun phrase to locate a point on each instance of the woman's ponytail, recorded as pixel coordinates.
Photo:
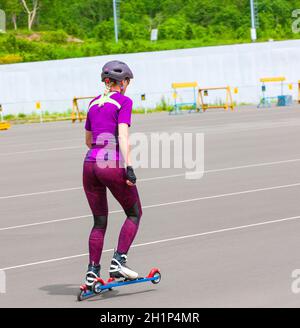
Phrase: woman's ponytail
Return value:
(108, 86)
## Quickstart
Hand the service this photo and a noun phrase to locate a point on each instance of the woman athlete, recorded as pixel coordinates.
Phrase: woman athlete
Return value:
(108, 165)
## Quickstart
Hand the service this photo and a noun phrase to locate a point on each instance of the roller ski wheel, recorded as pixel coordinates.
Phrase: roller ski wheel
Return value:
(157, 276)
(86, 292)
(97, 286)
(82, 292)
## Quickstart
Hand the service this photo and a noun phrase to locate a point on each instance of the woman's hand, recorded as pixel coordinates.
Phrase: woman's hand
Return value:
(131, 178)
(125, 149)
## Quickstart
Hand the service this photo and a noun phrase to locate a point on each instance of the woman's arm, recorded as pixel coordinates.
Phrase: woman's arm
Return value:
(125, 150)
(88, 138)
(124, 143)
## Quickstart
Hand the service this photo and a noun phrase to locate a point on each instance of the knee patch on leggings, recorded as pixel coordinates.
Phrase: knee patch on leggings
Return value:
(134, 213)
(100, 221)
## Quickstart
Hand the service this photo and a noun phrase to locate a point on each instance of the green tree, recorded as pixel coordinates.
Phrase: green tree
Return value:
(13, 9)
(173, 28)
(189, 33)
(181, 23)
(31, 10)
(105, 30)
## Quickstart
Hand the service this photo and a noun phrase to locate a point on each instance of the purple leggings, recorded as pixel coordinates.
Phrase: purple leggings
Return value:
(96, 180)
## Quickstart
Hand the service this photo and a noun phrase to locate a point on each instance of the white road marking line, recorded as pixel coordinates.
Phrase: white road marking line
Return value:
(158, 178)
(145, 124)
(46, 222)
(41, 150)
(210, 128)
(54, 221)
(40, 193)
(160, 205)
(60, 141)
(160, 241)
(223, 195)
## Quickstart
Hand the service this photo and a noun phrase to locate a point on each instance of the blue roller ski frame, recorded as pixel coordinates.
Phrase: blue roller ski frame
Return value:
(100, 285)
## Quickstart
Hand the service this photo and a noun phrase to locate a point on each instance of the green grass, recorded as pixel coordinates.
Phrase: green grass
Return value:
(34, 117)
(21, 46)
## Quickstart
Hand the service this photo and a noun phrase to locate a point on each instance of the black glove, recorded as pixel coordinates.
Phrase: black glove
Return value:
(130, 174)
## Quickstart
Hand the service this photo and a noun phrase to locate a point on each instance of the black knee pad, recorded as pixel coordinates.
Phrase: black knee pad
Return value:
(134, 213)
(100, 221)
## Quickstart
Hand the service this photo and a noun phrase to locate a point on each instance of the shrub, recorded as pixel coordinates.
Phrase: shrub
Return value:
(11, 59)
(26, 46)
(172, 29)
(129, 31)
(59, 36)
(163, 105)
(10, 44)
(104, 31)
(9, 117)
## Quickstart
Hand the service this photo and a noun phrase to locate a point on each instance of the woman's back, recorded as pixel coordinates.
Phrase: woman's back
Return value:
(104, 115)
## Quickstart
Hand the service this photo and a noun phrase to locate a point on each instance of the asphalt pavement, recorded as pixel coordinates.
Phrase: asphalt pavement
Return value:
(229, 239)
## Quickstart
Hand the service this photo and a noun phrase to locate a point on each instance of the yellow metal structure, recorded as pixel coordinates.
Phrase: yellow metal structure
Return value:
(76, 114)
(266, 101)
(273, 79)
(38, 105)
(4, 126)
(179, 105)
(202, 92)
(184, 85)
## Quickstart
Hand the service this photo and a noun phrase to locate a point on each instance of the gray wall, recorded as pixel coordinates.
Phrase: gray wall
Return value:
(55, 83)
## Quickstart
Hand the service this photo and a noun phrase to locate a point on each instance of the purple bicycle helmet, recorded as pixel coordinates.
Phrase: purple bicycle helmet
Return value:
(116, 70)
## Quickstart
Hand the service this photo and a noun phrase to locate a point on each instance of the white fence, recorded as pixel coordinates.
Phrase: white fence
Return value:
(55, 83)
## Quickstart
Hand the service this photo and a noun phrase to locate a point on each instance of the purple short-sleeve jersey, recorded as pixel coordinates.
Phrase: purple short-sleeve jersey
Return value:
(103, 122)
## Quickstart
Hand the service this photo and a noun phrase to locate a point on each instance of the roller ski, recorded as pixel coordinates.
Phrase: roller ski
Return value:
(120, 275)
